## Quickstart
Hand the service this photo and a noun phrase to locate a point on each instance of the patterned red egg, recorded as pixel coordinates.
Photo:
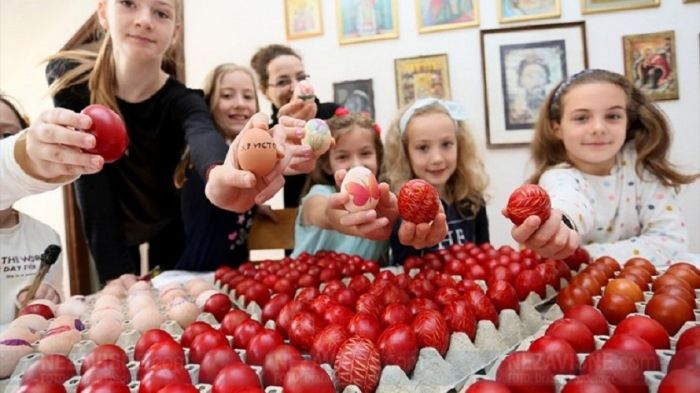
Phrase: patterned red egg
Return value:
(528, 200)
(418, 201)
(358, 363)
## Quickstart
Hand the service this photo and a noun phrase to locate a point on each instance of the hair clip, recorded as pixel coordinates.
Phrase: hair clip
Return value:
(341, 111)
(377, 129)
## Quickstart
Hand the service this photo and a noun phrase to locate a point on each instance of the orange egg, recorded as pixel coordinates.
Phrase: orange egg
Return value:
(257, 152)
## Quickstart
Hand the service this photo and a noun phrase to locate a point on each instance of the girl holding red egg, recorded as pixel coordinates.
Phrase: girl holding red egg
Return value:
(318, 225)
(601, 153)
(133, 200)
(429, 140)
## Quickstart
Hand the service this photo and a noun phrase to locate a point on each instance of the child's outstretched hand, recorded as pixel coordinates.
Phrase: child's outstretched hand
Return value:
(426, 234)
(231, 188)
(550, 239)
(374, 224)
(52, 148)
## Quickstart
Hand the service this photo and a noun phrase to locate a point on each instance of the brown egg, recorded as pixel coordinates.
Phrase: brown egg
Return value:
(257, 152)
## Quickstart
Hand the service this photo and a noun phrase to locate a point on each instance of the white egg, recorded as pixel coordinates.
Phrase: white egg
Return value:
(362, 187)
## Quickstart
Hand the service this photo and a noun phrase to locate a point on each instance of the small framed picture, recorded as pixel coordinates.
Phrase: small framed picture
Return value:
(423, 76)
(520, 66)
(593, 6)
(366, 20)
(356, 96)
(518, 11)
(650, 63)
(303, 18)
(438, 15)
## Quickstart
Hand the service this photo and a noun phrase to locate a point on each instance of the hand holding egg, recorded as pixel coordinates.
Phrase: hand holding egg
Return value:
(317, 135)
(232, 187)
(304, 91)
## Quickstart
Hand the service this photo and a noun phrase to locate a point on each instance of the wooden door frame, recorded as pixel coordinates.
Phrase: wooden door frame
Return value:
(89, 37)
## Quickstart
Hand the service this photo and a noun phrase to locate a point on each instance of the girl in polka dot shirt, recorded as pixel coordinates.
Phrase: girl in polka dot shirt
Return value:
(600, 151)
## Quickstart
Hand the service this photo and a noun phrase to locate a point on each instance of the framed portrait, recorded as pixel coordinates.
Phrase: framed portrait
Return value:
(366, 20)
(520, 66)
(593, 6)
(303, 18)
(356, 95)
(423, 76)
(438, 15)
(650, 63)
(517, 11)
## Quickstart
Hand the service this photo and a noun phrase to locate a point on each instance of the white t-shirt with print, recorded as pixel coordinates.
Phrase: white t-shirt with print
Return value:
(20, 257)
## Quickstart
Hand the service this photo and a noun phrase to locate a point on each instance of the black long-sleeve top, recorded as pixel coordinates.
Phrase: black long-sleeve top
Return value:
(134, 198)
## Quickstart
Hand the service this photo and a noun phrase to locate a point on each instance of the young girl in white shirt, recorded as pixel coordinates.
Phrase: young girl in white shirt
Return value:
(601, 152)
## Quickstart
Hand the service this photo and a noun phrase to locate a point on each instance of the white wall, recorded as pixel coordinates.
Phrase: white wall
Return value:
(225, 30)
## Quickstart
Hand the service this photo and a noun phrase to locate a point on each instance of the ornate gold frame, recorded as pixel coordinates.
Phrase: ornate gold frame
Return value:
(353, 40)
(514, 19)
(311, 33)
(588, 8)
(447, 26)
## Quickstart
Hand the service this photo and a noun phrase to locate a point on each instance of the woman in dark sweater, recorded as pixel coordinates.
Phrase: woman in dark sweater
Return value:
(279, 70)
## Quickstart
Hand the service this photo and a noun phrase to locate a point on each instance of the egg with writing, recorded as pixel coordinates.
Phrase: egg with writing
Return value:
(317, 135)
(257, 152)
(361, 186)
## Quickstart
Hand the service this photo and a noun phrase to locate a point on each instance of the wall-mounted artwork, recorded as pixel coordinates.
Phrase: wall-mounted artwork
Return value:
(650, 63)
(303, 18)
(366, 20)
(593, 6)
(520, 66)
(423, 76)
(523, 10)
(438, 15)
(356, 96)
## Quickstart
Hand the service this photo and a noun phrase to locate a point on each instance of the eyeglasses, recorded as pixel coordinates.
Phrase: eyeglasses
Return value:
(286, 82)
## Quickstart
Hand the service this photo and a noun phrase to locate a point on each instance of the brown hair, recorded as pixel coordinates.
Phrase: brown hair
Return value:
(466, 186)
(98, 69)
(14, 107)
(264, 56)
(339, 126)
(212, 85)
(647, 127)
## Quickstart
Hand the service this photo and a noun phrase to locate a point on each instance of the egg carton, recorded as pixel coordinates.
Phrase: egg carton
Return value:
(435, 374)
(651, 378)
(555, 312)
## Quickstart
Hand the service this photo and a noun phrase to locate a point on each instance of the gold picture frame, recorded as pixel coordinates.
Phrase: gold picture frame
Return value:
(545, 9)
(650, 63)
(595, 6)
(422, 76)
(432, 16)
(366, 20)
(691, 1)
(303, 19)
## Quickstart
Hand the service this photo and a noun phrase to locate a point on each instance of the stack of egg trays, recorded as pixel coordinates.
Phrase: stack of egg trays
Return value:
(652, 378)
(433, 373)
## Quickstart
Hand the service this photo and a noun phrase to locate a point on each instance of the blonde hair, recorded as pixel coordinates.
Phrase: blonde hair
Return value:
(647, 128)
(98, 69)
(466, 186)
(212, 86)
(339, 126)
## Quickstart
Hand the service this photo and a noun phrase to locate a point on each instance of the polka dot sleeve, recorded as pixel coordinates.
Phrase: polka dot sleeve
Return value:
(570, 194)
